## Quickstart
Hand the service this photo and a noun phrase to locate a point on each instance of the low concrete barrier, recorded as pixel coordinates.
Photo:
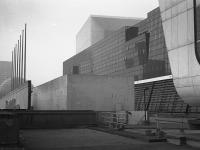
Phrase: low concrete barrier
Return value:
(55, 119)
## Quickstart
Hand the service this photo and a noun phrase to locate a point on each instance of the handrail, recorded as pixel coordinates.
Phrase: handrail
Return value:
(114, 119)
(169, 121)
(158, 121)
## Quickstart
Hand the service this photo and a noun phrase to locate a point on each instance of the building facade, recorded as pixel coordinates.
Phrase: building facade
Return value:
(181, 20)
(98, 27)
(138, 50)
(143, 51)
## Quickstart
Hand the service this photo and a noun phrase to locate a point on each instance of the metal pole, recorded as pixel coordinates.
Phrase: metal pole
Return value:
(20, 61)
(25, 54)
(22, 65)
(145, 117)
(17, 64)
(12, 73)
(18, 80)
(15, 69)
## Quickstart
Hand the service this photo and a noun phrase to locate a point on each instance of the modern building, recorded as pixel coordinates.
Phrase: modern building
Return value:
(143, 51)
(139, 50)
(157, 60)
(181, 24)
(98, 27)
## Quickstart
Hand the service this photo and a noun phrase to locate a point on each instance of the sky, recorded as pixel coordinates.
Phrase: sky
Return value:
(52, 26)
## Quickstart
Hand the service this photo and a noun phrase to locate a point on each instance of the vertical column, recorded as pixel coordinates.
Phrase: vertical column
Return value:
(25, 53)
(12, 73)
(22, 63)
(17, 76)
(20, 69)
(18, 55)
(15, 68)
(18, 72)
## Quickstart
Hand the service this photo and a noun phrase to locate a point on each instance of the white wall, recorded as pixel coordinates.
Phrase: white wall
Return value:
(97, 27)
(85, 92)
(83, 37)
(179, 32)
(100, 93)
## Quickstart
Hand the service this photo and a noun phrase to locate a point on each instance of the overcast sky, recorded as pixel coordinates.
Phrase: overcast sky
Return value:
(52, 26)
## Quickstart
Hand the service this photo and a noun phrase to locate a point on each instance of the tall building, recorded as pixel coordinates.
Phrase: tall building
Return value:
(140, 51)
(98, 27)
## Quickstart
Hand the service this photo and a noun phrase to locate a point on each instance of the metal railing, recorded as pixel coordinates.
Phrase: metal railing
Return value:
(114, 120)
(162, 121)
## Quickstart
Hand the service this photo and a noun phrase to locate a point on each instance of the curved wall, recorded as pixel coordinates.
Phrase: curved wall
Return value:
(179, 30)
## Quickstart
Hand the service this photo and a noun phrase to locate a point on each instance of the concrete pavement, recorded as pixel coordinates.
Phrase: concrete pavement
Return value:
(76, 139)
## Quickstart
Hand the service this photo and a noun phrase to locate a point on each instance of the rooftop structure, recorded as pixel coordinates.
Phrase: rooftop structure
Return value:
(142, 51)
(98, 27)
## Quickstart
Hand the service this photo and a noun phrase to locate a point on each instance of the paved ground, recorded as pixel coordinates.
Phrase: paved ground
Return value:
(192, 134)
(173, 135)
(76, 139)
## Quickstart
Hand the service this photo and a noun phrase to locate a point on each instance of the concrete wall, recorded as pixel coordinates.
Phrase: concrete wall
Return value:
(51, 95)
(83, 37)
(97, 31)
(55, 119)
(101, 93)
(85, 92)
(17, 99)
(97, 27)
(179, 30)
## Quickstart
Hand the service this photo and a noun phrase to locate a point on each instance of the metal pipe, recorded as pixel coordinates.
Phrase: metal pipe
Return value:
(25, 53)
(12, 73)
(145, 105)
(18, 65)
(18, 72)
(22, 64)
(15, 68)
(20, 61)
